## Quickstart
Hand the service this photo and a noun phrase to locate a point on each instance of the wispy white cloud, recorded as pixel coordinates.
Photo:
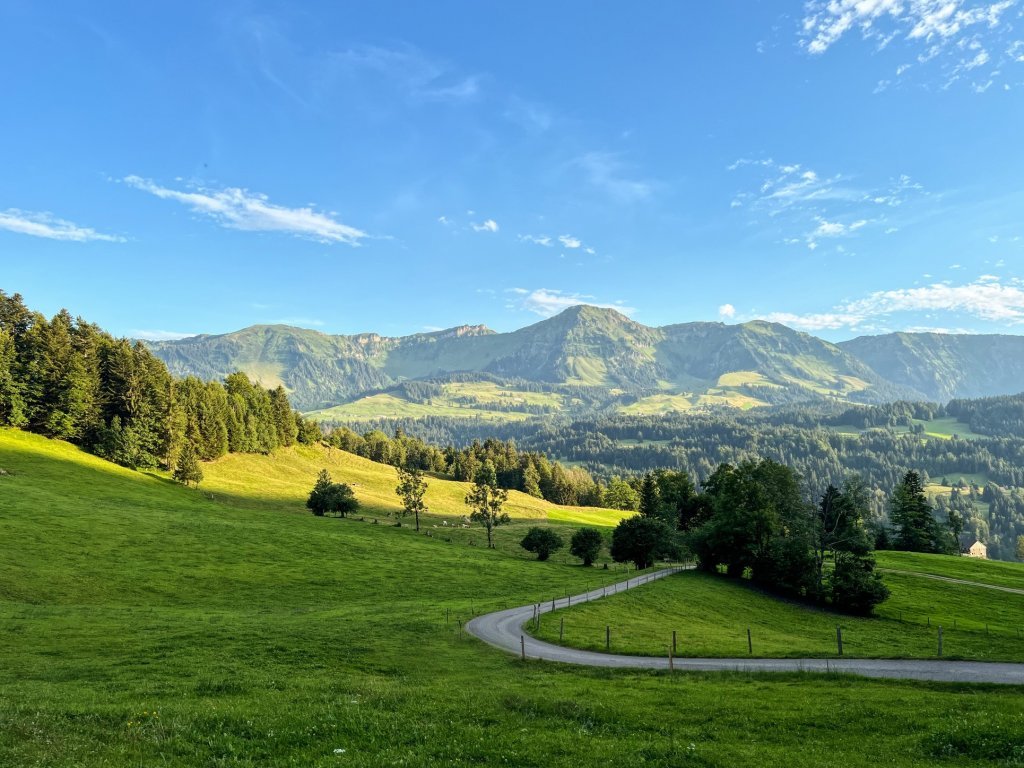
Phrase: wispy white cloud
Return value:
(569, 242)
(420, 77)
(490, 225)
(727, 311)
(547, 302)
(960, 35)
(544, 240)
(237, 208)
(533, 117)
(159, 335)
(50, 227)
(809, 206)
(607, 172)
(988, 298)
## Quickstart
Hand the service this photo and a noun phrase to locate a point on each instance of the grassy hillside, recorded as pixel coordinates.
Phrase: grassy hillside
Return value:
(146, 624)
(284, 479)
(711, 615)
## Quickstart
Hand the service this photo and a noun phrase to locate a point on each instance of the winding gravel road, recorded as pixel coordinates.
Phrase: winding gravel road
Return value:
(504, 630)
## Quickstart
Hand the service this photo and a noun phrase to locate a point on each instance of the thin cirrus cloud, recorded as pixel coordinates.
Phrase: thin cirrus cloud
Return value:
(607, 172)
(988, 298)
(965, 39)
(421, 78)
(806, 206)
(159, 335)
(237, 208)
(547, 302)
(46, 225)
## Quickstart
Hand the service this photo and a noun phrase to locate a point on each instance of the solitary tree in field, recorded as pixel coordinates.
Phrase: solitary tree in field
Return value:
(326, 496)
(542, 542)
(642, 540)
(486, 500)
(188, 470)
(411, 488)
(317, 501)
(586, 545)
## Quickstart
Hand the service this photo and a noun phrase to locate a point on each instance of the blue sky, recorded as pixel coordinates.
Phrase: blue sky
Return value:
(843, 167)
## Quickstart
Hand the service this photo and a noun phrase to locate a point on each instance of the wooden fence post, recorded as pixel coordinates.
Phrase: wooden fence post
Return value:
(750, 643)
(839, 639)
(673, 642)
(522, 645)
(607, 637)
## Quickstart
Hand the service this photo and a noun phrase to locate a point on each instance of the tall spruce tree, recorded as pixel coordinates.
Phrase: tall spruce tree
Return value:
(911, 515)
(188, 471)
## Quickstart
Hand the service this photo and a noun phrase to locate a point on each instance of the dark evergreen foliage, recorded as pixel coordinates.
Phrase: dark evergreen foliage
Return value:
(67, 379)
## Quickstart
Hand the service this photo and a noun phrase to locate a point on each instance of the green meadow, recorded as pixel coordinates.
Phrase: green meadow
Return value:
(147, 624)
(711, 614)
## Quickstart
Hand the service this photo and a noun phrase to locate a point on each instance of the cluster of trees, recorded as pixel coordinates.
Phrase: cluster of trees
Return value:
(914, 524)
(65, 378)
(753, 520)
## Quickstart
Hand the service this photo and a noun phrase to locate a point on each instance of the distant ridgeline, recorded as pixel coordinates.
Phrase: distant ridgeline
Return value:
(65, 378)
(590, 361)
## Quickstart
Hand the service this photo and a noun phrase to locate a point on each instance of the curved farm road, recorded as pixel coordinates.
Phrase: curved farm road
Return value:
(503, 629)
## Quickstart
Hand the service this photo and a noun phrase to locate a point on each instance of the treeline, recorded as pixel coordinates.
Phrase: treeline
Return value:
(528, 471)
(991, 415)
(698, 443)
(753, 520)
(65, 378)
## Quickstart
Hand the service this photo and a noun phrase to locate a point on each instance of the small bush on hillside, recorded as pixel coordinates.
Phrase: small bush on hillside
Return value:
(542, 542)
(586, 544)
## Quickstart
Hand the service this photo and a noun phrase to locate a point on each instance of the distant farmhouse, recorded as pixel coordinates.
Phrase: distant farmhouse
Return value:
(978, 550)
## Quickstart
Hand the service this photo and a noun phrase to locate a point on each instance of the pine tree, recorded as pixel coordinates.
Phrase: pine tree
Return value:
(650, 503)
(531, 480)
(911, 514)
(319, 497)
(12, 402)
(188, 470)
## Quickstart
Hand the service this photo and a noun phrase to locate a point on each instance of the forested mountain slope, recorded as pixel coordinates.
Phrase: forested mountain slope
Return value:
(625, 365)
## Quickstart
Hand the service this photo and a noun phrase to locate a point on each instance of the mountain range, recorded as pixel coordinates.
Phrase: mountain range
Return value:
(588, 358)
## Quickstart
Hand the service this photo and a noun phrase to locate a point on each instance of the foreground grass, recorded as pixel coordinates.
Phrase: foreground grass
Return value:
(145, 624)
(710, 616)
